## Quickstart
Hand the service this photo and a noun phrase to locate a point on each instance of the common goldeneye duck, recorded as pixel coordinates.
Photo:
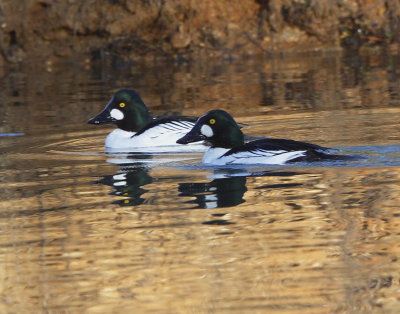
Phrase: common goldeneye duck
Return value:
(226, 139)
(136, 129)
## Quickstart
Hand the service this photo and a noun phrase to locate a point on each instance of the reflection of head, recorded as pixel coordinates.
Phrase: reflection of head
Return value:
(128, 184)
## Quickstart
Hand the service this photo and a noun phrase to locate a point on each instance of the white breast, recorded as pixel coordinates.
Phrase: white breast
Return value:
(118, 138)
(212, 156)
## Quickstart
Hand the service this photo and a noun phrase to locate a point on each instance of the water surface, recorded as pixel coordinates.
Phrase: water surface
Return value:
(87, 231)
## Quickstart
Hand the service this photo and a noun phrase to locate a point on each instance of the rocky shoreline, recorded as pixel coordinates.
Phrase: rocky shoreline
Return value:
(131, 29)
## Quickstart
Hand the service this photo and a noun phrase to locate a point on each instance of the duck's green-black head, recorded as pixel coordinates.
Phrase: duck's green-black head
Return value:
(216, 127)
(127, 109)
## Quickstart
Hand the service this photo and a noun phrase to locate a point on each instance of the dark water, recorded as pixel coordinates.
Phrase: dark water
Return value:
(86, 231)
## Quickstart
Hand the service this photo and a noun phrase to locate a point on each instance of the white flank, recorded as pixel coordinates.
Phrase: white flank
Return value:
(117, 114)
(160, 138)
(215, 156)
(206, 130)
(281, 159)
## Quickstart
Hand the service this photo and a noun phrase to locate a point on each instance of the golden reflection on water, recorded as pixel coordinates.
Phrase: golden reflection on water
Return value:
(314, 240)
(80, 233)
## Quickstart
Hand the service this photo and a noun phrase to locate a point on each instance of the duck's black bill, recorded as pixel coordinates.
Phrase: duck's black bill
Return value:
(193, 136)
(102, 117)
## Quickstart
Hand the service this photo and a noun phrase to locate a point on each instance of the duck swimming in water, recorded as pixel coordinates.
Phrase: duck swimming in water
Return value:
(227, 145)
(137, 129)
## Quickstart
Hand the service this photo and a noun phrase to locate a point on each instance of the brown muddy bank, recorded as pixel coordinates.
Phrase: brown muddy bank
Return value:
(53, 30)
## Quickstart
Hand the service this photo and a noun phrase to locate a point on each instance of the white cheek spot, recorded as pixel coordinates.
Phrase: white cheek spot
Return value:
(206, 130)
(117, 114)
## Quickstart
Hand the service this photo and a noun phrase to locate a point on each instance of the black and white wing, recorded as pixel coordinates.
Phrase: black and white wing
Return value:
(274, 151)
(181, 125)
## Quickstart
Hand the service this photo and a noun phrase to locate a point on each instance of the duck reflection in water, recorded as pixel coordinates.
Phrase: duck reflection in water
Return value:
(129, 184)
(226, 190)
(218, 193)
(129, 180)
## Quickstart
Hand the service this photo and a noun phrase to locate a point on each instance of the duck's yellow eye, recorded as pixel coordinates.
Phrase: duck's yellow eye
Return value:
(122, 105)
(212, 121)
(126, 201)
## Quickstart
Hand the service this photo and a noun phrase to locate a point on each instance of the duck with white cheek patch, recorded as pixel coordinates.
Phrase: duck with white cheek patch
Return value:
(228, 147)
(137, 130)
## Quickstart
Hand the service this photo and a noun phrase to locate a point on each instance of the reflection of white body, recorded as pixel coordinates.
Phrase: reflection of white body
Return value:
(215, 156)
